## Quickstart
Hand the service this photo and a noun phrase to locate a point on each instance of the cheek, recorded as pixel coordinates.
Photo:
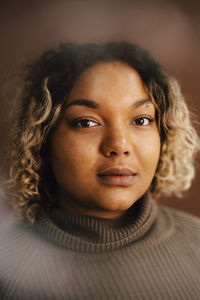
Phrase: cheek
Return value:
(72, 156)
(81, 151)
(150, 153)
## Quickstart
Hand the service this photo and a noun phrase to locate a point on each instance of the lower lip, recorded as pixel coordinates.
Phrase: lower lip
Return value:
(122, 180)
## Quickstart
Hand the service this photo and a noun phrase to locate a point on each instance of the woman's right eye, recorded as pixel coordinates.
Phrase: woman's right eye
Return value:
(85, 123)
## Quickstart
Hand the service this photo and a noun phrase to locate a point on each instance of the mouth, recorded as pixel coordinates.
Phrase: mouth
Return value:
(117, 177)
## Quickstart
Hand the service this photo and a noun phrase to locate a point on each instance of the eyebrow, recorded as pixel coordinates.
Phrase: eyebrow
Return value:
(141, 102)
(84, 102)
(95, 105)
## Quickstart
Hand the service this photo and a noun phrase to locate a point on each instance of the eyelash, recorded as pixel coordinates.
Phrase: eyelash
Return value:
(150, 120)
(76, 122)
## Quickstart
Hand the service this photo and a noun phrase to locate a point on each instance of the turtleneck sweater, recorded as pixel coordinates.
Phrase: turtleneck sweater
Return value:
(153, 252)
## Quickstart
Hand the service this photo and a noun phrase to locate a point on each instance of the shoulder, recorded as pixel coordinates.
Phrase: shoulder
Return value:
(181, 217)
(20, 249)
(15, 231)
(18, 241)
(185, 225)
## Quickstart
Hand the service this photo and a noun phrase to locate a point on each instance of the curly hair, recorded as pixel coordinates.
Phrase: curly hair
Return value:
(47, 83)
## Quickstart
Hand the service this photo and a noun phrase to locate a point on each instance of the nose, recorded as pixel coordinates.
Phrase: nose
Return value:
(116, 142)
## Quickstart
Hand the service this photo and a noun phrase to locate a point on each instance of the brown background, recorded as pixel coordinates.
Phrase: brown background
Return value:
(169, 29)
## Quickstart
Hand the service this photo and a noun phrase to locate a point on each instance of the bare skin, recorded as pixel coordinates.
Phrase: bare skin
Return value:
(116, 129)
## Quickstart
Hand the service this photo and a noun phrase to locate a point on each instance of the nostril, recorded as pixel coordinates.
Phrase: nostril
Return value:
(113, 153)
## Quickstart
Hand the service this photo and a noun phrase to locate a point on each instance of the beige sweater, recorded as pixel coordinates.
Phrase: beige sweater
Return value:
(153, 253)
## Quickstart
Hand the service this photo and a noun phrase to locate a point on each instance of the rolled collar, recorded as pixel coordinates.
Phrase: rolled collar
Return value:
(92, 234)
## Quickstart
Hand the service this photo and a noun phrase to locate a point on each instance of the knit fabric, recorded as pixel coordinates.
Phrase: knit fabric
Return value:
(152, 253)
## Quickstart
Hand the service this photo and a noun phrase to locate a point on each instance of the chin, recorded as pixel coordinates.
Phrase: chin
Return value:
(114, 205)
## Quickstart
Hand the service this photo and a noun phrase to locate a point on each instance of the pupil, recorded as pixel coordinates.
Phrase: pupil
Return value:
(85, 123)
(140, 121)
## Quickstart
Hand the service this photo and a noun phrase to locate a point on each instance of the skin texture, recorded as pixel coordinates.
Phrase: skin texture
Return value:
(118, 134)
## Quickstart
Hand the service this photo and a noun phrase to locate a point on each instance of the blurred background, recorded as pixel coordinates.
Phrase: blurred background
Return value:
(169, 29)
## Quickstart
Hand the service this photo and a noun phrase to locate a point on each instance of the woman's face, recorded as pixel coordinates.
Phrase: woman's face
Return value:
(105, 148)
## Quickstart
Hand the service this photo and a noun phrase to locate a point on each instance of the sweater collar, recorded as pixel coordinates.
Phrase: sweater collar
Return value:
(92, 234)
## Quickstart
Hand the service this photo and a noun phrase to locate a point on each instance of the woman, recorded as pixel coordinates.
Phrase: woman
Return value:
(102, 132)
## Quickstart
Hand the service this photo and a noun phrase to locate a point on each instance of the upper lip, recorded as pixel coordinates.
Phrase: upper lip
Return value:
(116, 171)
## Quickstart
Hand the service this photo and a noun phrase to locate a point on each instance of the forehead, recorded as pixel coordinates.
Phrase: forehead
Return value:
(109, 79)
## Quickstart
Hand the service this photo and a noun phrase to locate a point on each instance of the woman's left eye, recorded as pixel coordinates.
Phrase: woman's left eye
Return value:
(85, 123)
(142, 121)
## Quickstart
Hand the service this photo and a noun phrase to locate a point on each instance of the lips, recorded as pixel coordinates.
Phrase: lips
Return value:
(117, 176)
(117, 172)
